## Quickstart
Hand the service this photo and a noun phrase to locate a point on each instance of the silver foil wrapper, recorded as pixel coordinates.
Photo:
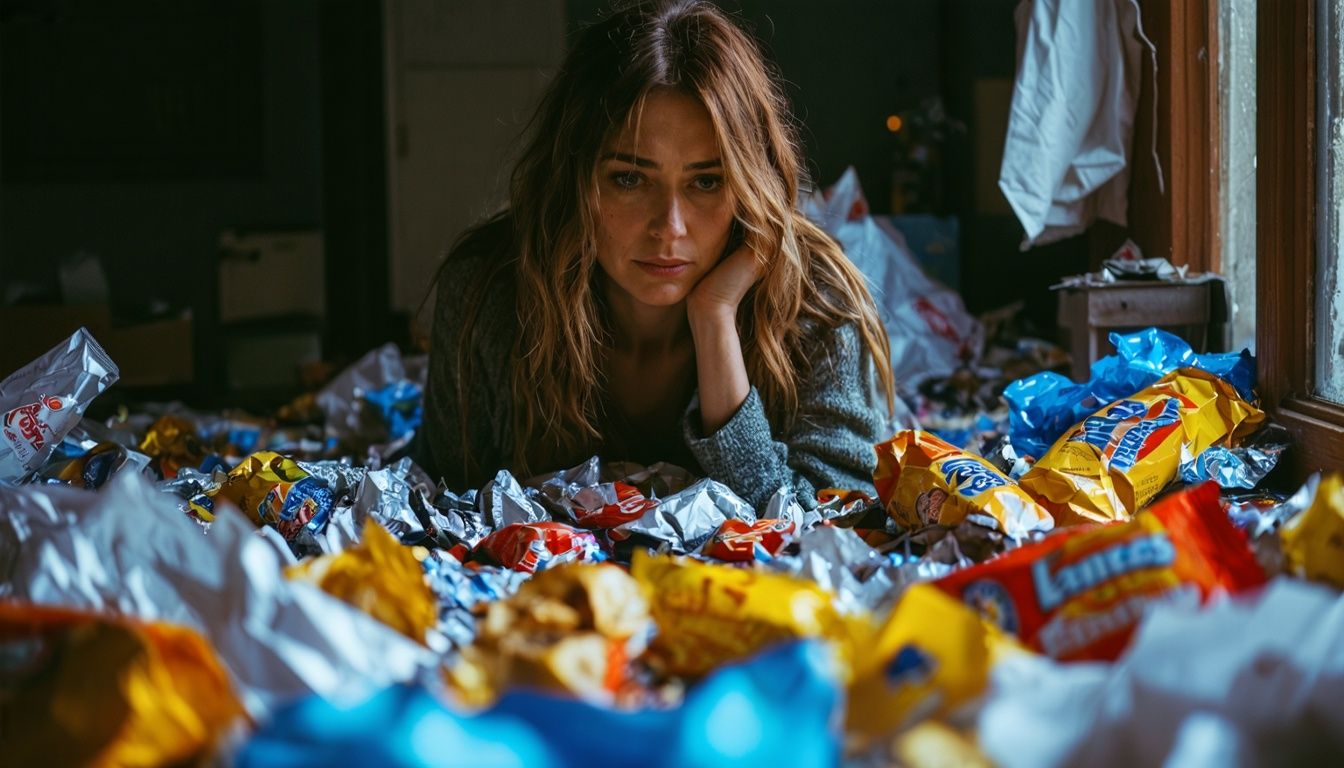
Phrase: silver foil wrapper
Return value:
(461, 590)
(45, 399)
(127, 549)
(684, 520)
(503, 501)
(458, 517)
(862, 579)
(1243, 466)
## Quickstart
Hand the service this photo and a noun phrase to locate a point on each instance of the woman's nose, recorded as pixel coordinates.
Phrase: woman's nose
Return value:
(668, 221)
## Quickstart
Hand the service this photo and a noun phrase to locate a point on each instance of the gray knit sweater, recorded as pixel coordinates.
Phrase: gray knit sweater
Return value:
(830, 443)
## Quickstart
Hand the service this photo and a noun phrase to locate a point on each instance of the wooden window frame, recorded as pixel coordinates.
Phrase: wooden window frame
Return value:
(1176, 218)
(1286, 238)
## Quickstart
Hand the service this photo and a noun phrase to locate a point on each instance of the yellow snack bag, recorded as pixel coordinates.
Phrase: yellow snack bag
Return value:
(931, 655)
(172, 442)
(84, 689)
(272, 490)
(923, 480)
(378, 576)
(1313, 540)
(708, 615)
(1114, 462)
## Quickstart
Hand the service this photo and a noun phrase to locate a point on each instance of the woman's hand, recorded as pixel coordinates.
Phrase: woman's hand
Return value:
(711, 309)
(721, 289)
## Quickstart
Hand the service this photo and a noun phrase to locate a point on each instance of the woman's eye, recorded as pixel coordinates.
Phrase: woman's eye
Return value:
(625, 179)
(708, 183)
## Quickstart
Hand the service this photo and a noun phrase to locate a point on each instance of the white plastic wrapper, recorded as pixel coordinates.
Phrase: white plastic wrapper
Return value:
(1066, 154)
(42, 401)
(930, 330)
(1253, 682)
(128, 550)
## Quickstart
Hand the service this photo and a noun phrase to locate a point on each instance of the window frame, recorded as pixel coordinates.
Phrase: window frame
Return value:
(1286, 238)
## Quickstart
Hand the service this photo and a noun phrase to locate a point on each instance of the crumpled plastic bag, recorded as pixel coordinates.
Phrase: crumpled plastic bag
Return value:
(1253, 681)
(930, 330)
(128, 549)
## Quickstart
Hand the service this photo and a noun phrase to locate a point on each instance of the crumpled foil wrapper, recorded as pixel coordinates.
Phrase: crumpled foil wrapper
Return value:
(129, 550)
(461, 590)
(862, 579)
(683, 521)
(1241, 467)
(459, 517)
(395, 497)
(503, 501)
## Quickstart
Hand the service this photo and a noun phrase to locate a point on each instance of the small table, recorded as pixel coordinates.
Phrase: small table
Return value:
(1091, 311)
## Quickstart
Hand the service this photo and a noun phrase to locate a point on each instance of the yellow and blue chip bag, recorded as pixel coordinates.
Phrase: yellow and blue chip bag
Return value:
(923, 480)
(1111, 464)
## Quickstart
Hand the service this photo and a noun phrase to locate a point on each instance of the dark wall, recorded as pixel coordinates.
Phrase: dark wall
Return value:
(980, 42)
(140, 130)
(846, 67)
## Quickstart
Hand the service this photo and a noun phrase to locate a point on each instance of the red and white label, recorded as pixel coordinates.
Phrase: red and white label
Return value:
(26, 429)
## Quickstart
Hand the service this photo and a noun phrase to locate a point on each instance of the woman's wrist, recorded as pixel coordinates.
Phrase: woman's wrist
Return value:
(707, 318)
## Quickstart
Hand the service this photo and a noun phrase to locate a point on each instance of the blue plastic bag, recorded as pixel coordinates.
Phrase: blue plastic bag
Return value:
(780, 707)
(1041, 407)
(400, 404)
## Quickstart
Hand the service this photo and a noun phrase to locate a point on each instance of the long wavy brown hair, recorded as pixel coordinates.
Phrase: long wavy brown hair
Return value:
(558, 386)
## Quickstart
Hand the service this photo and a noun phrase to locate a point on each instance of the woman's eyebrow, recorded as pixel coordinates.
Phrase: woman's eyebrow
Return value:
(644, 162)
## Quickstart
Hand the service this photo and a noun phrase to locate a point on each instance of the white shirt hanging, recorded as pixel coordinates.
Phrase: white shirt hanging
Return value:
(1070, 128)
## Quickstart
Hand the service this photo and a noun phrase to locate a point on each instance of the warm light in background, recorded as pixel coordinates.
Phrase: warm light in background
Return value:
(894, 123)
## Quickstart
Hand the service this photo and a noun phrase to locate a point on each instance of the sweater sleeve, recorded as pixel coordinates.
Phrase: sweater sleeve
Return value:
(463, 447)
(829, 445)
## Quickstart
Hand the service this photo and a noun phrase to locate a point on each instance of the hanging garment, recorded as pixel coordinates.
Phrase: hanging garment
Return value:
(1065, 159)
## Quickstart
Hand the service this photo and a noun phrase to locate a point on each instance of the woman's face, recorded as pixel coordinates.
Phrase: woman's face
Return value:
(664, 211)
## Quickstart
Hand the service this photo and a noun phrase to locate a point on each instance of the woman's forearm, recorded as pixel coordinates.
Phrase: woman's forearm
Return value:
(720, 369)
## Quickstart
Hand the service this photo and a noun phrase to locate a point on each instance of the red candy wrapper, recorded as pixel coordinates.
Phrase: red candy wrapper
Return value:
(630, 504)
(1079, 593)
(738, 541)
(531, 547)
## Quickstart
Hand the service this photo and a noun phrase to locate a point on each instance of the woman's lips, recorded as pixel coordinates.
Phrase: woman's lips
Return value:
(664, 268)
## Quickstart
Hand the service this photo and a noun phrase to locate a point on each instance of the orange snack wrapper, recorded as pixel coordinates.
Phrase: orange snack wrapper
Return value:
(1078, 594)
(84, 689)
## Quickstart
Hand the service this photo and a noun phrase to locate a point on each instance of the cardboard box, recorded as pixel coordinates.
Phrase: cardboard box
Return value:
(152, 354)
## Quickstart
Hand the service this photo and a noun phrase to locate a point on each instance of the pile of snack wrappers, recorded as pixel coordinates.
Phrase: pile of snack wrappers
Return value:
(1107, 586)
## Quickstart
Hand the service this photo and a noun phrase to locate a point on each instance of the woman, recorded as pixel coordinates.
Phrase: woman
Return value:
(653, 293)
